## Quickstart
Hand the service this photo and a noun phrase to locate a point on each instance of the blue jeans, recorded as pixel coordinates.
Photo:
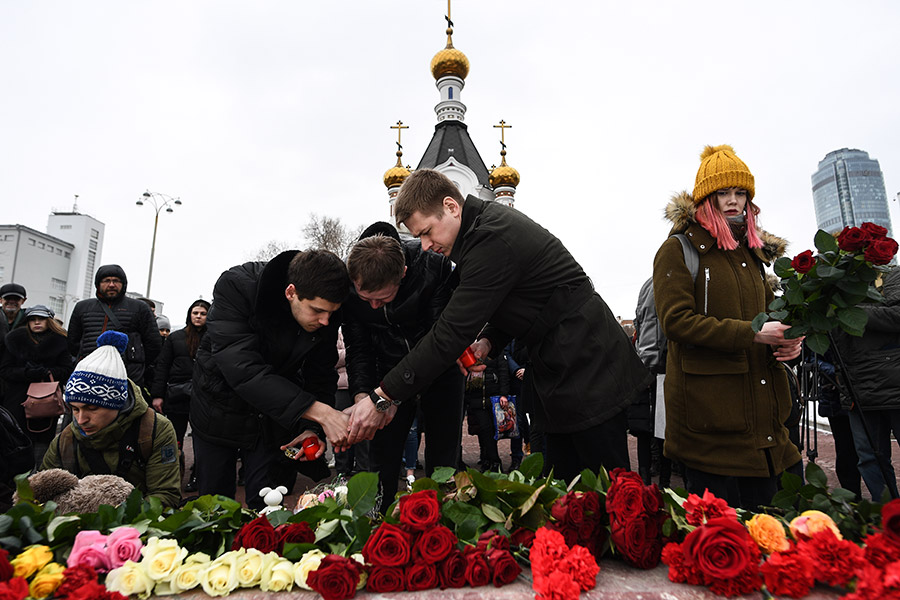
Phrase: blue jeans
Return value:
(880, 423)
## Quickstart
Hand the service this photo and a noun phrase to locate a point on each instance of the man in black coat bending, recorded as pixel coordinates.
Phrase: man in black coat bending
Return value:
(518, 278)
(264, 375)
(398, 292)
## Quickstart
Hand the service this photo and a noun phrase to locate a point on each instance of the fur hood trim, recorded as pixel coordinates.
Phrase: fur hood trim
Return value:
(681, 212)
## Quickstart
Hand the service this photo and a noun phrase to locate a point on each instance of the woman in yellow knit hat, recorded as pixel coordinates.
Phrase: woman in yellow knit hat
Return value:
(726, 389)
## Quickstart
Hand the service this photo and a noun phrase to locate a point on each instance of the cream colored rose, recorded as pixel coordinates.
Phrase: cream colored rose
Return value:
(130, 579)
(161, 558)
(251, 565)
(363, 575)
(220, 576)
(278, 575)
(309, 562)
(186, 577)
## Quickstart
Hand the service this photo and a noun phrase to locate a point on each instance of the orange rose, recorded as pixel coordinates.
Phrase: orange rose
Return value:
(811, 522)
(768, 533)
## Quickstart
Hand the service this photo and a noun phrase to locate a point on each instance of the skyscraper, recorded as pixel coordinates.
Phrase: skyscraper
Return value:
(848, 190)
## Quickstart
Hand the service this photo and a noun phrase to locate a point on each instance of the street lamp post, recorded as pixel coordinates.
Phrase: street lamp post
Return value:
(159, 202)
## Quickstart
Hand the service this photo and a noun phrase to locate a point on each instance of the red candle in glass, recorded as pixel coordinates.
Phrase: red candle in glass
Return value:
(468, 358)
(310, 448)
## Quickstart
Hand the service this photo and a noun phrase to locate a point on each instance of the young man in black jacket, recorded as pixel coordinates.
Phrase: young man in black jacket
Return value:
(518, 278)
(398, 292)
(264, 375)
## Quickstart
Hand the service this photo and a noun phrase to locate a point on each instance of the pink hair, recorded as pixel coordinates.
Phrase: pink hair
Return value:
(712, 220)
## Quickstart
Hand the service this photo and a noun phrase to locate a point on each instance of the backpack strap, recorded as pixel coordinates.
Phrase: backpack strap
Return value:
(691, 256)
(136, 445)
(146, 434)
(65, 448)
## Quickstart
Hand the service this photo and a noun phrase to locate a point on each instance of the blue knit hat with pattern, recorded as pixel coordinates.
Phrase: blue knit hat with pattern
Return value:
(100, 378)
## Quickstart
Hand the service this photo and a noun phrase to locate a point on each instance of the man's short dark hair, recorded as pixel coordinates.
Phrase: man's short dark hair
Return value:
(424, 191)
(376, 262)
(319, 274)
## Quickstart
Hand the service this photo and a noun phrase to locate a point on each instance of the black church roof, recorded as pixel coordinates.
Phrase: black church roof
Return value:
(451, 138)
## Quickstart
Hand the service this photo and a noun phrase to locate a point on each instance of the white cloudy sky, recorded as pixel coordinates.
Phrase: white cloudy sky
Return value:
(259, 113)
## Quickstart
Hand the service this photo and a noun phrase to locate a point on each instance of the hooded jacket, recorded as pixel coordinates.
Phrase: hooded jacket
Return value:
(727, 398)
(160, 476)
(257, 371)
(89, 320)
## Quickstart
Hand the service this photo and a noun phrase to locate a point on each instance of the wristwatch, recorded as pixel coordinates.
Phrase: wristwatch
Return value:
(381, 404)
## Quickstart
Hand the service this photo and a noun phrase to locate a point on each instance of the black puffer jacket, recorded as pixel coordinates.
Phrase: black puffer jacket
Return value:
(25, 362)
(89, 320)
(257, 371)
(873, 361)
(377, 339)
(173, 369)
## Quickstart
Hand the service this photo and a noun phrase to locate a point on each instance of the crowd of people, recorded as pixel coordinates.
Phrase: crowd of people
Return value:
(366, 355)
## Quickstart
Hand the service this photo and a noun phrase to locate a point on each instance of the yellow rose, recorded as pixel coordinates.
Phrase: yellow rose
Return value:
(161, 558)
(363, 575)
(278, 575)
(309, 562)
(768, 533)
(251, 565)
(811, 522)
(47, 580)
(30, 561)
(220, 577)
(185, 577)
(130, 579)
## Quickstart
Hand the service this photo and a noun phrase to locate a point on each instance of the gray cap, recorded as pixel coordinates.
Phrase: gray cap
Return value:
(12, 289)
(39, 310)
(162, 322)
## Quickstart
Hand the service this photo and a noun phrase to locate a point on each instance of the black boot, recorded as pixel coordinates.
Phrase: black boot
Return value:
(191, 485)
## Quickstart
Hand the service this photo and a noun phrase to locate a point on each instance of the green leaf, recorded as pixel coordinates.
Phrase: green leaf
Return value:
(6, 522)
(780, 315)
(526, 506)
(816, 476)
(758, 321)
(63, 526)
(493, 513)
(362, 492)
(855, 287)
(532, 466)
(459, 512)
(777, 303)
(794, 296)
(796, 331)
(791, 482)
(818, 343)
(294, 551)
(782, 267)
(589, 479)
(23, 488)
(820, 322)
(828, 272)
(853, 317)
(825, 242)
(443, 474)
(873, 294)
(843, 496)
(784, 500)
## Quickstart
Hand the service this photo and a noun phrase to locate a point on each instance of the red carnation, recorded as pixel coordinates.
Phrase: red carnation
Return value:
(385, 579)
(92, 590)
(75, 578)
(14, 589)
(435, 544)
(557, 586)
(421, 576)
(890, 521)
(880, 550)
(452, 570)
(804, 262)
(880, 252)
(388, 546)
(420, 510)
(789, 573)
(876, 232)
(293, 533)
(700, 510)
(258, 534)
(852, 239)
(581, 567)
(336, 578)
(836, 560)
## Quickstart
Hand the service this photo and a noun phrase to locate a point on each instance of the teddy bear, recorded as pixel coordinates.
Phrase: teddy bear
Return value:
(73, 495)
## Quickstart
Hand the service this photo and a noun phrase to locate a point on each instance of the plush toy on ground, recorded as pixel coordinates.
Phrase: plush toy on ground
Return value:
(272, 498)
(77, 495)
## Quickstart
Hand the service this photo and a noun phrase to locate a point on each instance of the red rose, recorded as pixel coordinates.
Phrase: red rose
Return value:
(804, 262)
(625, 498)
(14, 589)
(639, 541)
(293, 533)
(452, 570)
(258, 534)
(836, 560)
(6, 569)
(336, 577)
(880, 252)
(434, 544)
(388, 546)
(385, 579)
(890, 520)
(478, 572)
(789, 573)
(522, 537)
(721, 549)
(421, 576)
(74, 578)
(852, 239)
(493, 539)
(876, 232)
(504, 568)
(420, 510)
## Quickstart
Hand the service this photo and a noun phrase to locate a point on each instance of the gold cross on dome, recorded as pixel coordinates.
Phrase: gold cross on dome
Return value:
(449, 22)
(399, 127)
(503, 126)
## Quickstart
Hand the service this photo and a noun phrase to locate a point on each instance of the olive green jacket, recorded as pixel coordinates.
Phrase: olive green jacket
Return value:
(160, 476)
(727, 398)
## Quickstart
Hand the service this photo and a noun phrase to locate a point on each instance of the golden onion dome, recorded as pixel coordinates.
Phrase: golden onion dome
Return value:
(449, 61)
(397, 174)
(504, 175)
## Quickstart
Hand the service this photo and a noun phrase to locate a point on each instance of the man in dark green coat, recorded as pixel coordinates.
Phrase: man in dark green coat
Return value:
(517, 280)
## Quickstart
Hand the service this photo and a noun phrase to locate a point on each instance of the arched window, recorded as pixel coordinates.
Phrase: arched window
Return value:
(450, 93)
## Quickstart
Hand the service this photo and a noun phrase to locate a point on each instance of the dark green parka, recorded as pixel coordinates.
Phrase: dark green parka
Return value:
(727, 398)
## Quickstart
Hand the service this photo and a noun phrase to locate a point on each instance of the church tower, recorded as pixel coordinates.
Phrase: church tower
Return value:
(504, 178)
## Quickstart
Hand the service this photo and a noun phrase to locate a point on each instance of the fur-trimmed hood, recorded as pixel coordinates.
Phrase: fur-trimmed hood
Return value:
(681, 212)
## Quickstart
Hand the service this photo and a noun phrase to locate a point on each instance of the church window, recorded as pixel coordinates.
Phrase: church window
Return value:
(450, 93)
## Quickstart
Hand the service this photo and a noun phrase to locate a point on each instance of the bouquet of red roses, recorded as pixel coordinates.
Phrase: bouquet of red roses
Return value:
(635, 518)
(578, 517)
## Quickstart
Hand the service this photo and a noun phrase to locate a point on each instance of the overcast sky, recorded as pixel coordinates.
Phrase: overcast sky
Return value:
(257, 114)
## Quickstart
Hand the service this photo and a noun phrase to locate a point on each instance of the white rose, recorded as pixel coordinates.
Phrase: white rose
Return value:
(278, 575)
(161, 558)
(130, 579)
(340, 494)
(220, 576)
(251, 565)
(187, 576)
(363, 574)
(309, 562)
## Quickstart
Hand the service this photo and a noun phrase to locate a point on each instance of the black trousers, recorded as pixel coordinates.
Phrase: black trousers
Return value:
(215, 467)
(603, 444)
(740, 492)
(442, 410)
(481, 423)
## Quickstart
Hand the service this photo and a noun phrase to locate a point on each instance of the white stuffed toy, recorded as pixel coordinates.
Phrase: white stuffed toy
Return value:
(272, 498)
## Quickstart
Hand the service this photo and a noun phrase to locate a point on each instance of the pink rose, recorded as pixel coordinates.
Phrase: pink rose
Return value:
(89, 549)
(123, 544)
